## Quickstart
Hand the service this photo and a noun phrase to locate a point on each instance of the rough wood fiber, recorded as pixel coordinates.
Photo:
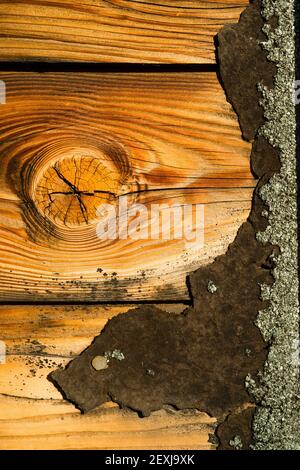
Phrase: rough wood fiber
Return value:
(166, 31)
(161, 138)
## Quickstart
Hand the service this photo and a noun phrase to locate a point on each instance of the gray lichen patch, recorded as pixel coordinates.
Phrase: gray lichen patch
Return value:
(211, 287)
(236, 443)
(115, 354)
(276, 422)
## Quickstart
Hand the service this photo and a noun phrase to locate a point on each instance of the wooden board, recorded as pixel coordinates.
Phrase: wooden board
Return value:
(167, 31)
(33, 414)
(54, 425)
(159, 138)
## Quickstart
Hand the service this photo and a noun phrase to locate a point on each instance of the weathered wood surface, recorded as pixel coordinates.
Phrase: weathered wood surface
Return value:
(161, 138)
(43, 424)
(166, 31)
(33, 414)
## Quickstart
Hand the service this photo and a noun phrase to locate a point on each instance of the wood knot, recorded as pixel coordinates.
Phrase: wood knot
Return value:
(69, 191)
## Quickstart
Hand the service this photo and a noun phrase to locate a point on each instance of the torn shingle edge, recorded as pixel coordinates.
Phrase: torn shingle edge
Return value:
(277, 392)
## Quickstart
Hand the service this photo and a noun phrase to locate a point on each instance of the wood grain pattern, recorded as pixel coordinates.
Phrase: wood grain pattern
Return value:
(51, 425)
(33, 414)
(165, 31)
(159, 138)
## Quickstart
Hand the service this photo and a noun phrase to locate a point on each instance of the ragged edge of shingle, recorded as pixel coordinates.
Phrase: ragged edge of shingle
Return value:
(277, 392)
(243, 65)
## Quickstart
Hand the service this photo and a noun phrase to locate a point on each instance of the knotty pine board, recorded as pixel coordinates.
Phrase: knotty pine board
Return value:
(159, 138)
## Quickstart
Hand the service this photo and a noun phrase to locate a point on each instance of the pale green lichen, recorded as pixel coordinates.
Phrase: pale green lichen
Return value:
(248, 352)
(115, 354)
(211, 287)
(277, 392)
(236, 443)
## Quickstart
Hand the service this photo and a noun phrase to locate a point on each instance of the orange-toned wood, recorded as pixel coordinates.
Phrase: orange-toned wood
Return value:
(165, 31)
(33, 414)
(159, 138)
